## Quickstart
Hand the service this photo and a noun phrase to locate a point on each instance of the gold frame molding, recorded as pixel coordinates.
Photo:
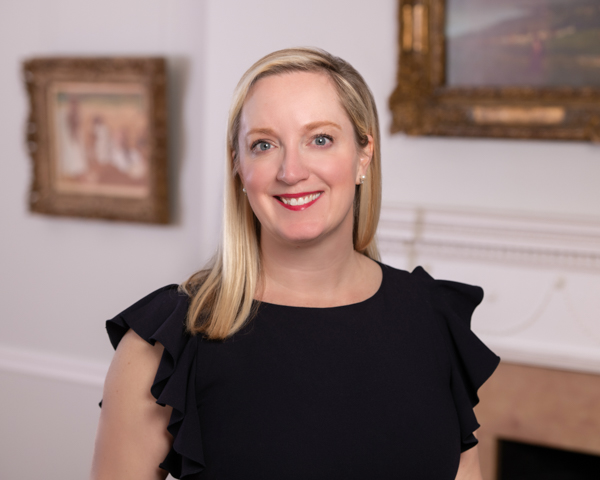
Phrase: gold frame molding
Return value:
(422, 104)
(149, 75)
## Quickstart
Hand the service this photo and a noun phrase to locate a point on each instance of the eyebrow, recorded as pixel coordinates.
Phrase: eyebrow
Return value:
(264, 131)
(307, 128)
(315, 125)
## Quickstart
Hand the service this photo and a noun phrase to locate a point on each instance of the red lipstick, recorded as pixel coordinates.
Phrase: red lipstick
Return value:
(285, 200)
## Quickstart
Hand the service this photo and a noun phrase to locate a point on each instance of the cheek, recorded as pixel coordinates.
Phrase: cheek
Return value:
(246, 171)
(255, 174)
(341, 171)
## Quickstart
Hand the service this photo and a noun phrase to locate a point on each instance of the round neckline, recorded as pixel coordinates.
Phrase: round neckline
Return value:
(370, 299)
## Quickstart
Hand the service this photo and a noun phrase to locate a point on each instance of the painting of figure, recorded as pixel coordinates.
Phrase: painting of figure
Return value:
(537, 43)
(99, 139)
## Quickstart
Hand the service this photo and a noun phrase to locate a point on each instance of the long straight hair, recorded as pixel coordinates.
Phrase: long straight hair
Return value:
(222, 293)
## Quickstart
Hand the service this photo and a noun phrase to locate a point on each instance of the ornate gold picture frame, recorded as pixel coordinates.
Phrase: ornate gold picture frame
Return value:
(97, 136)
(550, 64)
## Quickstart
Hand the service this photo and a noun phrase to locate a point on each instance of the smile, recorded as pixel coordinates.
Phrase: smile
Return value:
(295, 202)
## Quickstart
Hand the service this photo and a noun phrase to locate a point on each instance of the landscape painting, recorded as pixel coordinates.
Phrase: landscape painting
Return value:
(537, 43)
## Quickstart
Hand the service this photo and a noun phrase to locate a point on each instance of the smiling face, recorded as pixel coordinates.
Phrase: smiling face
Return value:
(298, 159)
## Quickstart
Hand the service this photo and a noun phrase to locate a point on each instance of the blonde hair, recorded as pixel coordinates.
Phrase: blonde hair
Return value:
(222, 294)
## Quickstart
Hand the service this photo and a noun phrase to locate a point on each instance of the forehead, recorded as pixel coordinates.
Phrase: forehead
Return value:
(299, 96)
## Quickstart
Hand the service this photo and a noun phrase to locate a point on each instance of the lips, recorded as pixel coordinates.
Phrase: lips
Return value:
(298, 201)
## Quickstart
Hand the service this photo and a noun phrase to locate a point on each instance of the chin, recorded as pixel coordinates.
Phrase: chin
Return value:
(302, 239)
(302, 236)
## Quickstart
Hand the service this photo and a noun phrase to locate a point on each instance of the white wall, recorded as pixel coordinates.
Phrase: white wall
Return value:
(61, 278)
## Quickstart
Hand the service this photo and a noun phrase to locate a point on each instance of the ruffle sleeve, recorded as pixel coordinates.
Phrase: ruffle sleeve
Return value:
(472, 362)
(160, 317)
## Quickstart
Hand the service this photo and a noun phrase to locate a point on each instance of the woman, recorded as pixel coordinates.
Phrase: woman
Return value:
(301, 356)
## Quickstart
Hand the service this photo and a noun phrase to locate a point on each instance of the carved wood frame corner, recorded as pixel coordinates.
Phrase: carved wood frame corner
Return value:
(422, 103)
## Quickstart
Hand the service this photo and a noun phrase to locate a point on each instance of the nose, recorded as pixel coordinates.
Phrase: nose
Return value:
(293, 168)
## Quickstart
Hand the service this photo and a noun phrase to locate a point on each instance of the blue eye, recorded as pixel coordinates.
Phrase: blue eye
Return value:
(261, 145)
(322, 140)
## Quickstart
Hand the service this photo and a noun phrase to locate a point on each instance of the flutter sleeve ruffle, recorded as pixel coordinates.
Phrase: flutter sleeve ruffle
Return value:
(472, 363)
(160, 317)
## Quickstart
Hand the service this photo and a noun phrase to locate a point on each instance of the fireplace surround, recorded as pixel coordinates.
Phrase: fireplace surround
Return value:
(538, 406)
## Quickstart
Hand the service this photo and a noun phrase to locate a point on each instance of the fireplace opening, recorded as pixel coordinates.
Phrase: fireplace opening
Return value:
(521, 461)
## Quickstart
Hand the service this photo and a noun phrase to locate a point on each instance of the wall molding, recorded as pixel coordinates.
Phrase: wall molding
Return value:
(52, 366)
(484, 236)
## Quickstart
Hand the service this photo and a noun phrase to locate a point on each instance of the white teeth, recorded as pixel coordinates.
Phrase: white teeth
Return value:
(301, 200)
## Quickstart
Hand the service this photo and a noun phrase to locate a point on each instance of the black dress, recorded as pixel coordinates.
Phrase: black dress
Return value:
(381, 389)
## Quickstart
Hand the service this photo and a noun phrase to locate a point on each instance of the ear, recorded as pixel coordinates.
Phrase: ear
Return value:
(364, 160)
(235, 166)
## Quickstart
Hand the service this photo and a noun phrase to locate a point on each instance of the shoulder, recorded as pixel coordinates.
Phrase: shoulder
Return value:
(450, 306)
(442, 295)
(162, 312)
(161, 317)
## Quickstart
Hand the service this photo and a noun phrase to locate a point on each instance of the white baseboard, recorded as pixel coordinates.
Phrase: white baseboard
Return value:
(52, 366)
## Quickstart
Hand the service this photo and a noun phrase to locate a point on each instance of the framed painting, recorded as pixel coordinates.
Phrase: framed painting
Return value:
(97, 135)
(489, 68)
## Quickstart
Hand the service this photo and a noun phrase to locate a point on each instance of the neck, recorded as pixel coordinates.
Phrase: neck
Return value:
(315, 275)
